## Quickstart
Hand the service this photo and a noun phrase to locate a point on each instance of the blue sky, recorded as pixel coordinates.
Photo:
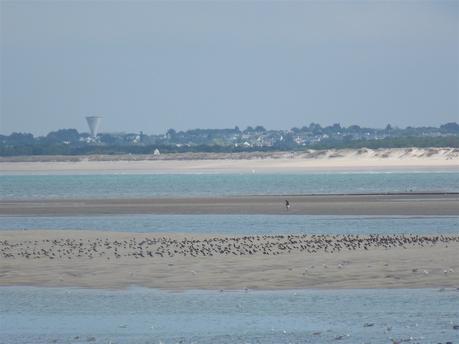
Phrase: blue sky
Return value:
(156, 65)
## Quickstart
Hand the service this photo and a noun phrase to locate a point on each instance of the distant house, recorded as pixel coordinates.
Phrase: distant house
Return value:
(156, 152)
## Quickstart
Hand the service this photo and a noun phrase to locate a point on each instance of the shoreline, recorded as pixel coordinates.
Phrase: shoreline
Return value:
(410, 204)
(180, 262)
(333, 160)
(225, 167)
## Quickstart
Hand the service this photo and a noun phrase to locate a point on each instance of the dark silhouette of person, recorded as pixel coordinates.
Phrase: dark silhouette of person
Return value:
(287, 205)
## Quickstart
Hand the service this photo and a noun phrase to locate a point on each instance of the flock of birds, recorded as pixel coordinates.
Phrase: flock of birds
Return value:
(159, 247)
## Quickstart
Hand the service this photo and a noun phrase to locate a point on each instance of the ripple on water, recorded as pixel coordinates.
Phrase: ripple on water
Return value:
(42, 315)
(241, 224)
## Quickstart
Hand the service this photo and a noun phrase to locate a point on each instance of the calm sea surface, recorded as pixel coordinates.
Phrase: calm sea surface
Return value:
(59, 315)
(241, 224)
(188, 185)
(137, 315)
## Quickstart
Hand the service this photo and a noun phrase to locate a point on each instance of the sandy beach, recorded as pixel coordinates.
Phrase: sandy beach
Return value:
(395, 159)
(356, 204)
(183, 261)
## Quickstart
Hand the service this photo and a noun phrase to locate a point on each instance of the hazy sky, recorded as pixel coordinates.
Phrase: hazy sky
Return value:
(156, 65)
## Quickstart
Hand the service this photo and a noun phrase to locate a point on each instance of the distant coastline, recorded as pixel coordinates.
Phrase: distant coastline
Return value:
(230, 140)
(364, 159)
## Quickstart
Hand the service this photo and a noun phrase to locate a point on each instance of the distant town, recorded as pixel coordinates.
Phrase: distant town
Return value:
(312, 136)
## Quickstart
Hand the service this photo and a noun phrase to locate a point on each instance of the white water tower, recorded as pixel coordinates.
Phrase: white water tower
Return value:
(93, 123)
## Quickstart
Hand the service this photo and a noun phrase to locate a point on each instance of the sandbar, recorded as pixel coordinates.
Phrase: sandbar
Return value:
(326, 204)
(183, 261)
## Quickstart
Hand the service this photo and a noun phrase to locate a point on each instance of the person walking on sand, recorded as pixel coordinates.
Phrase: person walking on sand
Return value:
(287, 205)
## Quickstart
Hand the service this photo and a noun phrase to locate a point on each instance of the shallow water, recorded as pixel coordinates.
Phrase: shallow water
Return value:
(62, 315)
(241, 224)
(44, 315)
(189, 185)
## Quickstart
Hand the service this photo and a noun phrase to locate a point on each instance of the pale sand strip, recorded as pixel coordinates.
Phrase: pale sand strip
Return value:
(437, 159)
(370, 204)
(411, 266)
(294, 165)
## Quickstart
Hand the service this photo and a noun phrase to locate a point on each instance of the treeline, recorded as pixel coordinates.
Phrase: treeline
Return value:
(90, 149)
(314, 136)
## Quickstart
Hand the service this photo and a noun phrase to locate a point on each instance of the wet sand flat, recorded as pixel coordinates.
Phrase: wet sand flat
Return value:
(183, 261)
(370, 204)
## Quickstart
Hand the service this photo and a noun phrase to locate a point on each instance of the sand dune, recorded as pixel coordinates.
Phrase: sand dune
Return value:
(256, 162)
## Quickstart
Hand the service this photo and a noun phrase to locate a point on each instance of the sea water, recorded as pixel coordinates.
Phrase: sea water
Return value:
(137, 315)
(240, 224)
(192, 185)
